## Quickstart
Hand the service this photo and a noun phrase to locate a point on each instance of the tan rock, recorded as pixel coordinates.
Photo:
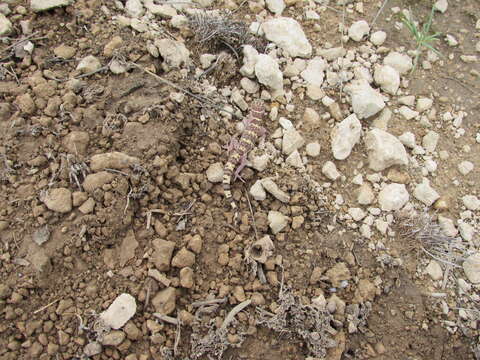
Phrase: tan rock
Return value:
(65, 51)
(164, 301)
(113, 338)
(113, 160)
(59, 200)
(195, 244)
(87, 207)
(183, 258)
(76, 142)
(97, 180)
(338, 273)
(26, 104)
(112, 45)
(127, 248)
(162, 254)
(186, 277)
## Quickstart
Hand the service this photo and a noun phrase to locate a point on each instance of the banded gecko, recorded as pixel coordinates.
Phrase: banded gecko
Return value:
(239, 149)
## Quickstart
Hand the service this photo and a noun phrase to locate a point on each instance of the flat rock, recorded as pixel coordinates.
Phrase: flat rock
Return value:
(292, 140)
(164, 301)
(465, 167)
(127, 248)
(89, 64)
(162, 254)
(275, 6)
(471, 266)
(430, 141)
(315, 71)
(344, 136)
(64, 51)
(134, 8)
(43, 5)
(183, 258)
(358, 30)
(434, 270)
(6, 27)
(272, 188)
(92, 349)
(471, 202)
(366, 101)
(401, 62)
(113, 338)
(393, 197)
(388, 78)
(174, 53)
(97, 180)
(114, 160)
(268, 72)
(330, 171)
(215, 172)
(257, 191)
(378, 38)
(277, 221)
(76, 142)
(288, 34)
(425, 193)
(58, 200)
(119, 312)
(384, 150)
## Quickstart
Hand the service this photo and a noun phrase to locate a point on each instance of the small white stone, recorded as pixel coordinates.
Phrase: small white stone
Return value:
(408, 113)
(249, 86)
(250, 55)
(465, 167)
(407, 139)
(288, 34)
(471, 266)
(424, 104)
(388, 78)
(292, 140)
(294, 160)
(401, 62)
(89, 64)
(6, 27)
(365, 195)
(330, 171)
(467, 231)
(344, 137)
(451, 41)
(272, 188)
(313, 149)
(357, 179)
(257, 191)
(314, 72)
(378, 38)
(358, 30)
(393, 197)
(471, 202)
(408, 100)
(447, 226)
(119, 312)
(366, 101)
(384, 150)
(430, 141)
(268, 72)
(441, 5)
(425, 193)
(134, 8)
(434, 270)
(259, 162)
(357, 214)
(215, 172)
(277, 221)
(275, 6)
(206, 60)
(311, 15)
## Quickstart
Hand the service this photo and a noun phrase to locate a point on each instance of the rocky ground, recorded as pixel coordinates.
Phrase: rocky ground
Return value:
(359, 223)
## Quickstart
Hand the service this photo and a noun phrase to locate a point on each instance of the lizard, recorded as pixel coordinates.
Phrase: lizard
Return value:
(239, 149)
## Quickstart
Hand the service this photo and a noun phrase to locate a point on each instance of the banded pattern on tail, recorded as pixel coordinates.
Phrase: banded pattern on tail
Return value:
(240, 149)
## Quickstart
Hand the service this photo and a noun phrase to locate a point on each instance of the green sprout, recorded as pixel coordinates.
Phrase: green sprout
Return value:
(422, 37)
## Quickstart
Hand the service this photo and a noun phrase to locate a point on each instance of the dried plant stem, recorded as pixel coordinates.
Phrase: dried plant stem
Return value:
(209, 302)
(167, 319)
(233, 312)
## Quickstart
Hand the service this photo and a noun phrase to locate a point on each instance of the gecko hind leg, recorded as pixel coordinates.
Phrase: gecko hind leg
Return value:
(243, 162)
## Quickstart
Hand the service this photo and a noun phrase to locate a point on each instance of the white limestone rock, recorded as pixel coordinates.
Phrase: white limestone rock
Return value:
(288, 34)
(384, 150)
(393, 197)
(344, 137)
(366, 101)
